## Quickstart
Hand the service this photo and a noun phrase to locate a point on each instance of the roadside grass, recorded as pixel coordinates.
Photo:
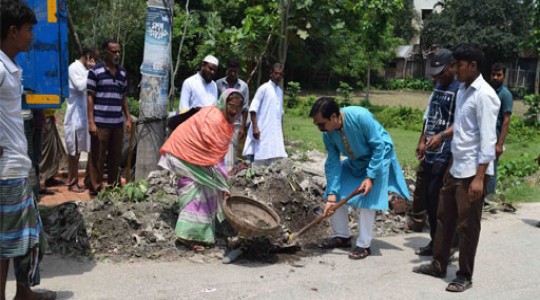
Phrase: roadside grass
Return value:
(523, 192)
(301, 129)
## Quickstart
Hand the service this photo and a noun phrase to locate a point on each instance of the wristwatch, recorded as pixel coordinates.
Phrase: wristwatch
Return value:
(444, 136)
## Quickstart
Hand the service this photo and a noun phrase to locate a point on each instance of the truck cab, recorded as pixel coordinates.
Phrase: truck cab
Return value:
(45, 65)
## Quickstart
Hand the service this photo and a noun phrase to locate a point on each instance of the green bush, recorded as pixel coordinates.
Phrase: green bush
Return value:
(420, 84)
(133, 104)
(520, 130)
(345, 91)
(509, 171)
(399, 117)
(293, 93)
(533, 112)
(396, 84)
(518, 92)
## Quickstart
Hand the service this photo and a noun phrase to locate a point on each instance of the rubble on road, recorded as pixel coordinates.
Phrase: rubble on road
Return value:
(119, 230)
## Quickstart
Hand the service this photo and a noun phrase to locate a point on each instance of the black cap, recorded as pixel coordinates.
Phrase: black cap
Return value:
(440, 59)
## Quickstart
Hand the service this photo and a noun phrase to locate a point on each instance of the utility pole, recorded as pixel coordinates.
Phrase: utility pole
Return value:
(153, 100)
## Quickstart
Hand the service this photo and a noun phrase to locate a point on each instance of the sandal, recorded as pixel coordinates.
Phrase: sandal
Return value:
(360, 253)
(48, 295)
(194, 246)
(428, 269)
(336, 242)
(197, 248)
(76, 189)
(459, 284)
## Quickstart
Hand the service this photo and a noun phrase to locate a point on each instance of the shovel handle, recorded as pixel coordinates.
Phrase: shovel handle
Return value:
(318, 219)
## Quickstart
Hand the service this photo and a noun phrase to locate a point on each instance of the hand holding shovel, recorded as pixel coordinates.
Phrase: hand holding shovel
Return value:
(328, 212)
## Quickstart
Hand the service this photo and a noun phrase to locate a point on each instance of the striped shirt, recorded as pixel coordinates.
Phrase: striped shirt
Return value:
(108, 93)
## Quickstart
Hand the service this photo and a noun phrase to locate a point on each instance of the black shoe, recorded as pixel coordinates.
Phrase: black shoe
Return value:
(336, 242)
(424, 251)
(428, 269)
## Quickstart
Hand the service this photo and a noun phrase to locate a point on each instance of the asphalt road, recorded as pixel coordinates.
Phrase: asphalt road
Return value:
(507, 267)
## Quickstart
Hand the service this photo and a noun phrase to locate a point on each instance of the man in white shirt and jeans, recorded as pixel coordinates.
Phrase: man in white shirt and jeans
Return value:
(473, 151)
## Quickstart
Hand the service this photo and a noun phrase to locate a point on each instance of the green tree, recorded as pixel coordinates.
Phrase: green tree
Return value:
(498, 26)
(533, 43)
(403, 22)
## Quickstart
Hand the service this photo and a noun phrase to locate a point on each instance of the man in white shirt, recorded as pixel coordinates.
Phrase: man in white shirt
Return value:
(265, 140)
(21, 235)
(232, 81)
(200, 89)
(473, 151)
(76, 118)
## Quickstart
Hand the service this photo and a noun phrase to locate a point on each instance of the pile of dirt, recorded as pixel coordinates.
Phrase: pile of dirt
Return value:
(119, 230)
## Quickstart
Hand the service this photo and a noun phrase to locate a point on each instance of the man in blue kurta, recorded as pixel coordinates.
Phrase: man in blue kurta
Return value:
(370, 166)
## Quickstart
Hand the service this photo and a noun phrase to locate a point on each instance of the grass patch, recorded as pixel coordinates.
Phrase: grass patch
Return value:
(405, 142)
(523, 193)
(298, 128)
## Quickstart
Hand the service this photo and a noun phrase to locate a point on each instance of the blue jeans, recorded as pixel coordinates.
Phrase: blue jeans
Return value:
(492, 183)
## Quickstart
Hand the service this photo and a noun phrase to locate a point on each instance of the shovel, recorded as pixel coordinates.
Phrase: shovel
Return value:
(318, 219)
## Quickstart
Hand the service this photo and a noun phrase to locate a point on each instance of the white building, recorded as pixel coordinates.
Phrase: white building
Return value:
(424, 8)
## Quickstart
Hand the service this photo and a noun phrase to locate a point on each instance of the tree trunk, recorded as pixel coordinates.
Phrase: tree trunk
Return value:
(173, 73)
(153, 103)
(368, 81)
(259, 59)
(537, 77)
(74, 34)
(284, 32)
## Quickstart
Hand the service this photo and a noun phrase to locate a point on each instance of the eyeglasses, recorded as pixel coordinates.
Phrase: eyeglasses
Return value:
(233, 107)
(321, 126)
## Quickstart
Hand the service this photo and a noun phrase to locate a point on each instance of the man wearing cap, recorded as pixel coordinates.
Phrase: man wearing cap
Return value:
(433, 149)
(473, 152)
(232, 81)
(200, 89)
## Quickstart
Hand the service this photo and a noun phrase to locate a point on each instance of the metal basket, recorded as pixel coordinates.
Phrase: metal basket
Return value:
(250, 217)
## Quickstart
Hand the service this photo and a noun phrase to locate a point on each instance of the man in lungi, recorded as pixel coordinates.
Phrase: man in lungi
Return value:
(21, 237)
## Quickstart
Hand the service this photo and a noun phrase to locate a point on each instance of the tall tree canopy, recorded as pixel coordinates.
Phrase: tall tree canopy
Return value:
(321, 41)
(498, 26)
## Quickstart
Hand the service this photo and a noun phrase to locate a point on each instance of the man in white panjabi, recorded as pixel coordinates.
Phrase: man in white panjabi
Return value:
(265, 142)
(200, 89)
(76, 118)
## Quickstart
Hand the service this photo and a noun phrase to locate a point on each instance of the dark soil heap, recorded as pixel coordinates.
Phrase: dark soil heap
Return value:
(120, 230)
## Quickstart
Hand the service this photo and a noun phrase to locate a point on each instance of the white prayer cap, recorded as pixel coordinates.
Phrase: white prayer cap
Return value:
(211, 59)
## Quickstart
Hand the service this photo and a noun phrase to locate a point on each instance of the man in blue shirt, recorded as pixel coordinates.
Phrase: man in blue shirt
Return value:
(498, 73)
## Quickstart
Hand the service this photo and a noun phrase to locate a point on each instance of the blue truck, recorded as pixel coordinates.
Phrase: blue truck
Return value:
(45, 65)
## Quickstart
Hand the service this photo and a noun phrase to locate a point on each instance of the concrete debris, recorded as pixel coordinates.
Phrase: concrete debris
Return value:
(114, 230)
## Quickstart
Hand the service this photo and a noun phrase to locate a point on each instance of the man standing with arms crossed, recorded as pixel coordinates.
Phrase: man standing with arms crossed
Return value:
(107, 87)
(473, 152)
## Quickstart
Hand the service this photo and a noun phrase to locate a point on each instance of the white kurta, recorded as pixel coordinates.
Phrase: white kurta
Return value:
(196, 92)
(268, 105)
(76, 118)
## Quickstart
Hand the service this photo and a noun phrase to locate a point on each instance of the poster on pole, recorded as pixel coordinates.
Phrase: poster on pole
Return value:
(156, 61)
